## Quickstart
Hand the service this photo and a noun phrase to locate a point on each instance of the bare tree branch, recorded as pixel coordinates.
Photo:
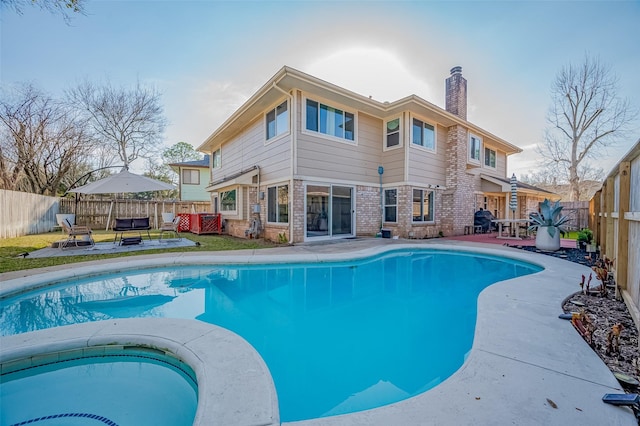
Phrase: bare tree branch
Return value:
(129, 122)
(41, 142)
(66, 8)
(585, 117)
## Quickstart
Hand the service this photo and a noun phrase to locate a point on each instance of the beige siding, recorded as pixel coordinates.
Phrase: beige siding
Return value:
(324, 158)
(249, 149)
(393, 163)
(427, 166)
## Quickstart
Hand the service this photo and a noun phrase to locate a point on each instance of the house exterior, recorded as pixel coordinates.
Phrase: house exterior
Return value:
(306, 160)
(194, 177)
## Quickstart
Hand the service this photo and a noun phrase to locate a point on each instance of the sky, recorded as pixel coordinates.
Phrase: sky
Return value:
(208, 57)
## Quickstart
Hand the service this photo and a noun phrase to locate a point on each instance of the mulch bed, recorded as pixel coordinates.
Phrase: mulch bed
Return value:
(604, 312)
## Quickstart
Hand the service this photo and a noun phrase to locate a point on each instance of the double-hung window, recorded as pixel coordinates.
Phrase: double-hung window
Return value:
(330, 121)
(190, 177)
(390, 205)
(277, 121)
(423, 134)
(393, 133)
(217, 159)
(278, 204)
(474, 148)
(422, 205)
(489, 158)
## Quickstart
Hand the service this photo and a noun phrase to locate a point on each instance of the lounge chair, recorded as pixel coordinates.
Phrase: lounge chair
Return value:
(73, 233)
(170, 227)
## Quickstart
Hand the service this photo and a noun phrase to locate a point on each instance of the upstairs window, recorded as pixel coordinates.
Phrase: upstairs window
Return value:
(330, 121)
(393, 133)
(190, 177)
(423, 134)
(277, 121)
(490, 158)
(217, 159)
(278, 204)
(474, 148)
(422, 205)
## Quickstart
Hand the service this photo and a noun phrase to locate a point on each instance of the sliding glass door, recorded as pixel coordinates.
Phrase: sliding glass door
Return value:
(329, 211)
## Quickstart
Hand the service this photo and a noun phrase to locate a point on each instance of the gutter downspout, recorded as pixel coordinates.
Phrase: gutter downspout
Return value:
(292, 126)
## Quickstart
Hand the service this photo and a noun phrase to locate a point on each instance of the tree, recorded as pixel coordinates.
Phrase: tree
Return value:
(64, 7)
(180, 153)
(128, 121)
(586, 116)
(42, 142)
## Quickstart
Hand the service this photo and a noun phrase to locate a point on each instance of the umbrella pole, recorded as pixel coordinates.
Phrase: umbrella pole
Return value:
(109, 217)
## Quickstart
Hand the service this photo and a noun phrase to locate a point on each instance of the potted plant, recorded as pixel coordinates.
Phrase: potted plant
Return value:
(548, 224)
(585, 237)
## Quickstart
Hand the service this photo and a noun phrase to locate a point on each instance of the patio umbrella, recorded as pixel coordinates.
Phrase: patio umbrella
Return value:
(513, 204)
(123, 182)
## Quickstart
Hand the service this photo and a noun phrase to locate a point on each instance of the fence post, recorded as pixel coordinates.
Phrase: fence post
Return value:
(594, 215)
(609, 195)
(621, 265)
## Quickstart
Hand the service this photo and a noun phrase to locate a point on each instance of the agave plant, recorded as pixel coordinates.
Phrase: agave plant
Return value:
(550, 217)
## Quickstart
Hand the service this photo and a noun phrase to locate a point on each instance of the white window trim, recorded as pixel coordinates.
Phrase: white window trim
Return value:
(318, 134)
(213, 162)
(283, 134)
(433, 150)
(484, 159)
(384, 205)
(191, 170)
(232, 214)
(480, 151)
(400, 134)
(277, 185)
(424, 222)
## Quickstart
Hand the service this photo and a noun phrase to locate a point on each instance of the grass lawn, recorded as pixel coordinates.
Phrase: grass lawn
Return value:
(11, 248)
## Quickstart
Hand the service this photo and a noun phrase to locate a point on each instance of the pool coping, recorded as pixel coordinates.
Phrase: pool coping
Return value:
(536, 369)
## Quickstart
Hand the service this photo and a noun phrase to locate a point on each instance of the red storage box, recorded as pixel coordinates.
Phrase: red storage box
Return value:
(185, 220)
(205, 223)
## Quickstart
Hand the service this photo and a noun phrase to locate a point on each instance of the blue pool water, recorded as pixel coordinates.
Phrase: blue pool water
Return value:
(337, 337)
(123, 388)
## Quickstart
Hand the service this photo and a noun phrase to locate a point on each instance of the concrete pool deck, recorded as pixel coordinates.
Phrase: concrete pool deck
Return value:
(526, 365)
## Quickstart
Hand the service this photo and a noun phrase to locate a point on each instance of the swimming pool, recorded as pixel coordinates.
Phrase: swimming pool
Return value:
(337, 337)
(102, 386)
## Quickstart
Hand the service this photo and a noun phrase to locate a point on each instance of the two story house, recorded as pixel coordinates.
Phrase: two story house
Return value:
(193, 179)
(306, 160)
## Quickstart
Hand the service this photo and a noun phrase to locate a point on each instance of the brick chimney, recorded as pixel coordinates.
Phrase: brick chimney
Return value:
(456, 93)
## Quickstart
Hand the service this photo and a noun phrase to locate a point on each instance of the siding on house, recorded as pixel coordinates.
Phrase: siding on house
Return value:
(197, 192)
(301, 157)
(249, 149)
(324, 157)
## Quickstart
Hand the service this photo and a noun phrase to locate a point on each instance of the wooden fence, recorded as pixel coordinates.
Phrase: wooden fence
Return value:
(22, 213)
(100, 214)
(615, 219)
(578, 213)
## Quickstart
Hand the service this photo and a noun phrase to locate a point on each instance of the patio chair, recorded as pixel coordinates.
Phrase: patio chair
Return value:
(172, 228)
(75, 234)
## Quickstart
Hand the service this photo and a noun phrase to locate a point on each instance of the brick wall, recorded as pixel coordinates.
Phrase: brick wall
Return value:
(458, 205)
(368, 210)
(405, 227)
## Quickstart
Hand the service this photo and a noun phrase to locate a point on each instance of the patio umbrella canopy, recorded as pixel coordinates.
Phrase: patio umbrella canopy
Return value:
(513, 204)
(125, 181)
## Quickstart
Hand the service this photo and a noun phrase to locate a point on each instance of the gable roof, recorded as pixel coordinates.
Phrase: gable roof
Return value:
(505, 184)
(288, 79)
(204, 163)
